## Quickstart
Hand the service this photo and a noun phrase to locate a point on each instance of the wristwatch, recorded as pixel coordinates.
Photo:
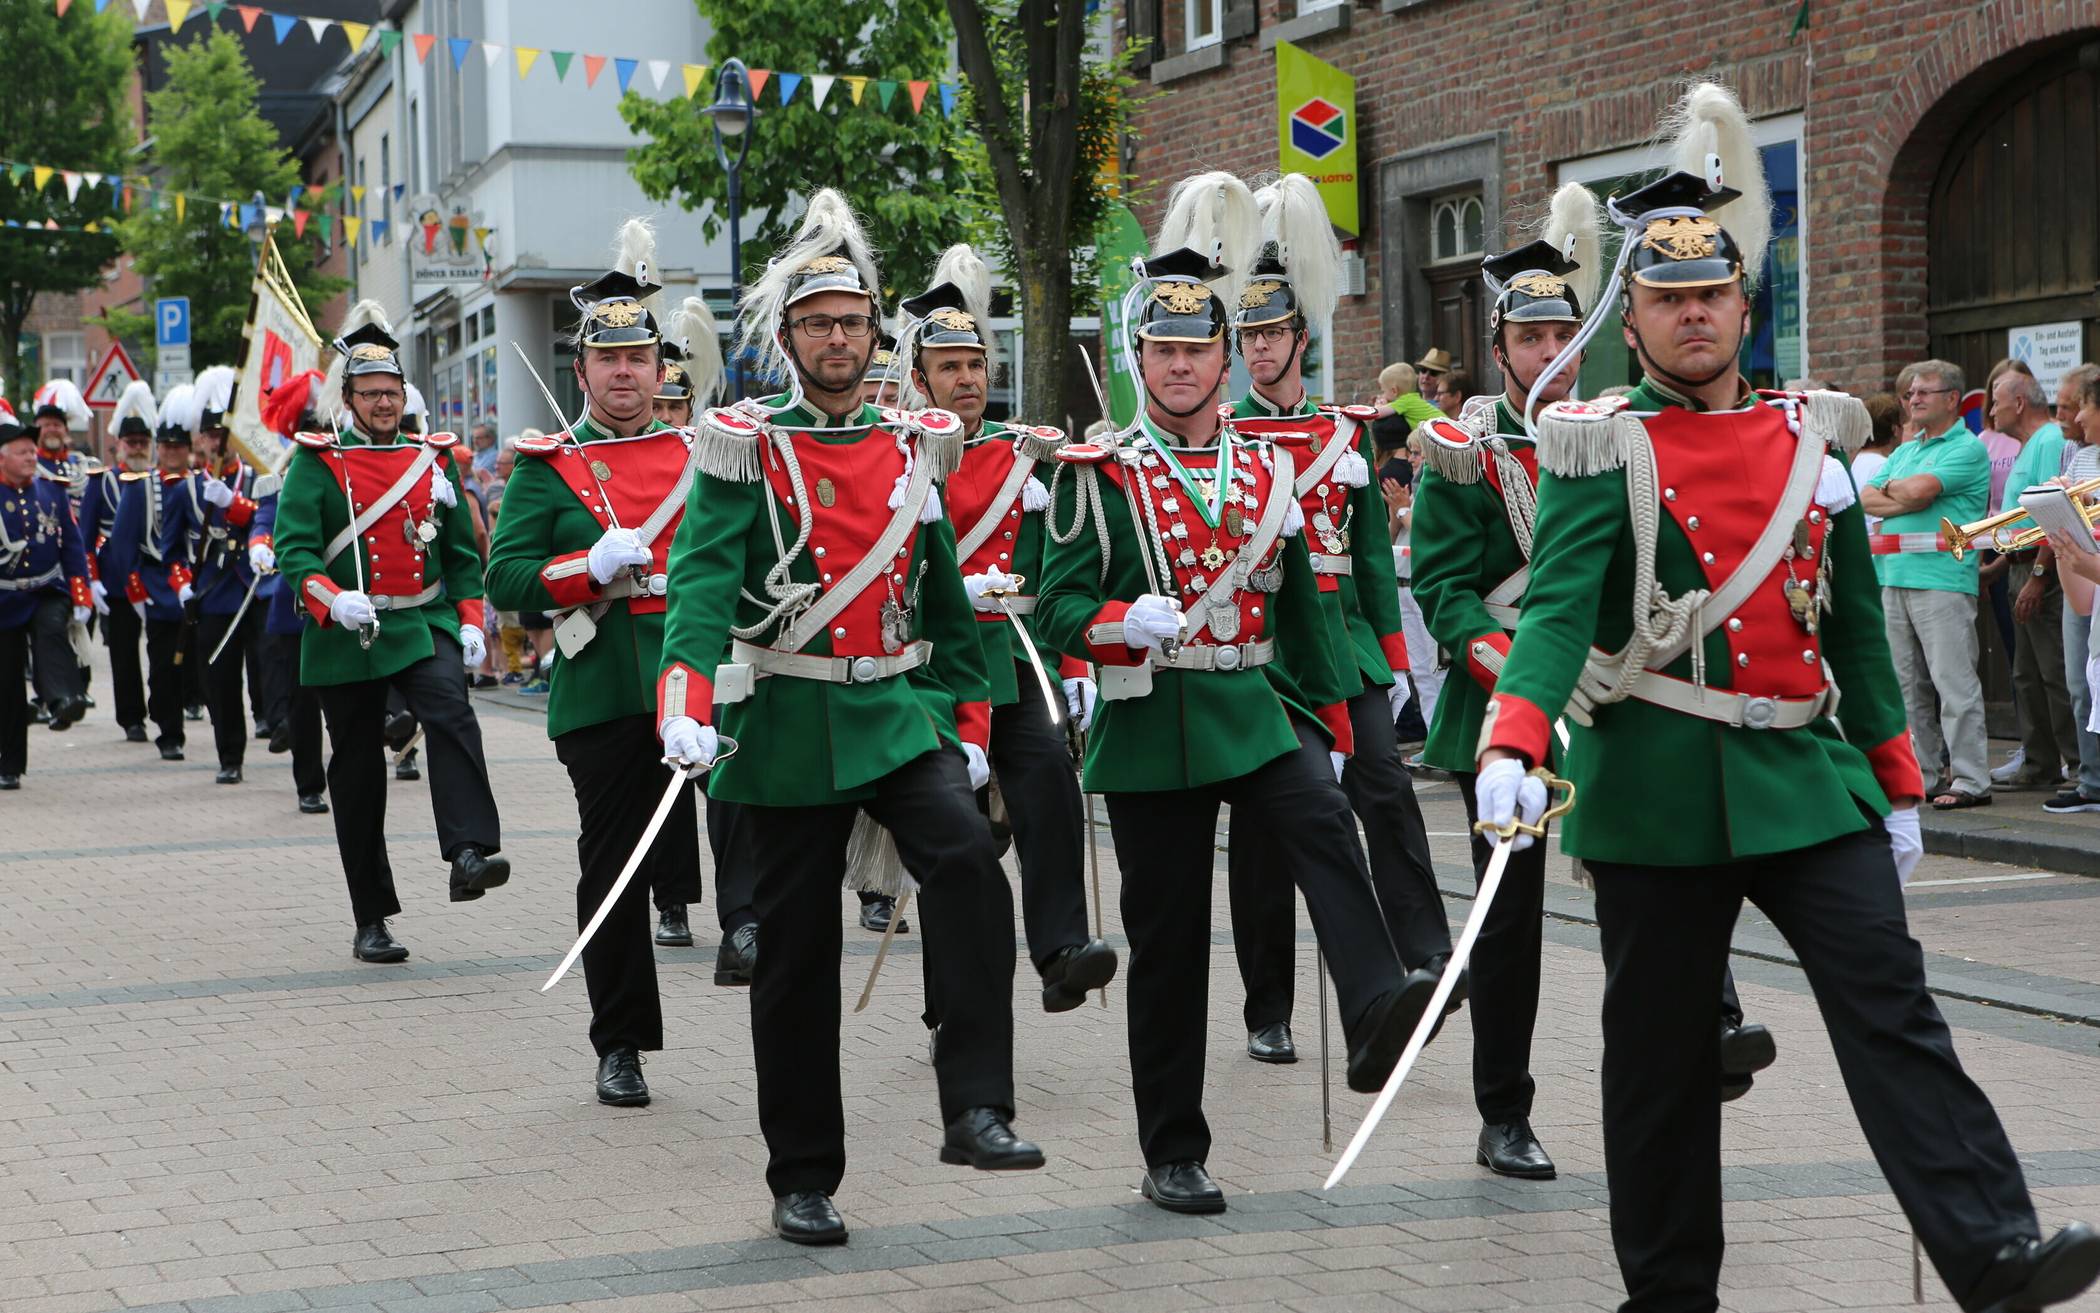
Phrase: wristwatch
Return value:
(2038, 569)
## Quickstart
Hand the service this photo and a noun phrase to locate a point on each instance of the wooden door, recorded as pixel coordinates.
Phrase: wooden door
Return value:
(1454, 315)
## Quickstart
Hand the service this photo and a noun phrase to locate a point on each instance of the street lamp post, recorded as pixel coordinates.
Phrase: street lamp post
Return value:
(732, 113)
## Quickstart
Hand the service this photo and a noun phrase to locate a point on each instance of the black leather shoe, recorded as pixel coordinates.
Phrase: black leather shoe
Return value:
(170, 751)
(193, 713)
(374, 944)
(474, 874)
(1073, 971)
(981, 1138)
(37, 714)
(2030, 1274)
(1735, 1087)
(806, 1217)
(1182, 1188)
(1272, 1043)
(1745, 1051)
(875, 916)
(281, 737)
(405, 767)
(9, 783)
(134, 733)
(672, 930)
(1510, 1149)
(737, 956)
(262, 730)
(313, 804)
(227, 775)
(1385, 1030)
(399, 731)
(68, 712)
(620, 1083)
(1460, 991)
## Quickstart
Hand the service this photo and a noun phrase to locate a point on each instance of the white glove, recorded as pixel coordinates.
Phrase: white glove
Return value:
(217, 493)
(441, 490)
(476, 644)
(688, 743)
(1905, 843)
(81, 614)
(184, 594)
(1339, 762)
(1402, 690)
(352, 609)
(101, 596)
(977, 584)
(980, 769)
(1151, 621)
(1503, 791)
(1080, 695)
(616, 550)
(261, 558)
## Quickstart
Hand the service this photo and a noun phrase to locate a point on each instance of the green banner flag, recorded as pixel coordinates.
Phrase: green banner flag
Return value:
(1316, 130)
(1120, 238)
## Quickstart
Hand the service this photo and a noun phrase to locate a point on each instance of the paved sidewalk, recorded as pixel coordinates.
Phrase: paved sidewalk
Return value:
(206, 1105)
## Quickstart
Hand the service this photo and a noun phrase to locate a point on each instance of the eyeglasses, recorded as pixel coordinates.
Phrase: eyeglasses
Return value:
(1915, 393)
(1273, 335)
(816, 326)
(381, 394)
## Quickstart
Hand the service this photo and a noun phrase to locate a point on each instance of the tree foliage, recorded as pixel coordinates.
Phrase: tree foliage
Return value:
(209, 141)
(64, 107)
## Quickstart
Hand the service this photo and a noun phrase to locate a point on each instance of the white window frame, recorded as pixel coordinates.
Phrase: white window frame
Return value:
(1193, 40)
(1455, 205)
(71, 363)
(1315, 6)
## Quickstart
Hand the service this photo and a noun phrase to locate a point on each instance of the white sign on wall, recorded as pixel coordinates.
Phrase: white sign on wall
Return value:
(2050, 350)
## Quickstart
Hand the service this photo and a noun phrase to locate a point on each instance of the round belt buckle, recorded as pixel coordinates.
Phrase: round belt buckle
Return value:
(862, 671)
(1228, 658)
(1760, 713)
(659, 584)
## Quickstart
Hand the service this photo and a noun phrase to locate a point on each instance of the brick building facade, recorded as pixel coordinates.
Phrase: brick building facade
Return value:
(1944, 150)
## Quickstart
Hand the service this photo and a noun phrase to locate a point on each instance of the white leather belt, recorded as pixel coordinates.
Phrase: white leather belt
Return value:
(406, 601)
(831, 670)
(1216, 656)
(1322, 563)
(1738, 710)
(47, 578)
(1017, 605)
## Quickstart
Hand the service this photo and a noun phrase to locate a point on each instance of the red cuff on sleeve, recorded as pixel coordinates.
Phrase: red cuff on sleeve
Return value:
(1895, 766)
(94, 568)
(134, 589)
(1482, 676)
(684, 691)
(568, 579)
(1394, 646)
(263, 539)
(318, 592)
(1071, 667)
(82, 594)
(179, 575)
(241, 512)
(1334, 718)
(1104, 638)
(973, 723)
(475, 612)
(1515, 725)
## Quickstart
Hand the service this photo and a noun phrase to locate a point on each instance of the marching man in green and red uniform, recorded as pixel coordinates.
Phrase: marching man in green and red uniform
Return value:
(1177, 563)
(995, 500)
(370, 537)
(585, 535)
(1701, 588)
(815, 555)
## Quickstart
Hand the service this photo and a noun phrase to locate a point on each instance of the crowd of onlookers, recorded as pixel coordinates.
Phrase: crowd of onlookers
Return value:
(522, 646)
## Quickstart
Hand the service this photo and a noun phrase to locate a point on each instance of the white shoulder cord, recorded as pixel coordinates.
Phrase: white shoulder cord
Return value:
(1659, 620)
(1519, 498)
(788, 597)
(1087, 497)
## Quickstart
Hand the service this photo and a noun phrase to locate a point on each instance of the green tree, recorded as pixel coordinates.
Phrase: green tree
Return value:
(210, 142)
(64, 107)
(890, 165)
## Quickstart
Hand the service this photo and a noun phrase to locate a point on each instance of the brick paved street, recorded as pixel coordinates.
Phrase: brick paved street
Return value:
(206, 1105)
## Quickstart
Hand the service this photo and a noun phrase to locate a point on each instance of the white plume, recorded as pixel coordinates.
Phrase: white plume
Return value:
(692, 327)
(214, 390)
(1295, 218)
(960, 264)
(65, 394)
(1573, 224)
(414, 405)
(634, 250)
(137, 400)
(1213, 214)
(330, 401)
(1710, 121)
(828, 227)
(179, 409)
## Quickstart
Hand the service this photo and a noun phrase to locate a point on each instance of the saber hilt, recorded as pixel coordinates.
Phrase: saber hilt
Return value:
(1537, 830)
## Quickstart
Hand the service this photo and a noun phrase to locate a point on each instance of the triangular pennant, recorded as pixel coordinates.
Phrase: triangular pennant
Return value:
(593, 65)
(284, 26)
(423, 41)
(820, 87)
(758, 82)
(788, 83)
(695, 74)
(92, 227)
(319, 26)
(17, 172)
(526, 56)
(212, 10)
(100, 5)
(460, 48)
(291, 197)
(63, 5)
(887, 91)
(140, 7)
(948, 100)
(182, 205)
(624, 70)
(388, 40)
(357, 194)
(856, 86)
(178, 13)
(351, 223)
(93, 179)
(327, 227)
(42, 174)
(248, 13)
(491, 53)
(561, 60)
(356, 32)
(399, 187)
(299, 218)
(125, 198)
(72, 181)
(379, 230)
(481, 237)
(917, 91)
(659, 69)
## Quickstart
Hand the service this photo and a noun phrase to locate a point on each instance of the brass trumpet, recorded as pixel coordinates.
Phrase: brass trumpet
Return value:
(1991, 532)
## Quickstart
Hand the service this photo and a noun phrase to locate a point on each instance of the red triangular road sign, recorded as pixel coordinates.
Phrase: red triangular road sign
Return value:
(108, 381)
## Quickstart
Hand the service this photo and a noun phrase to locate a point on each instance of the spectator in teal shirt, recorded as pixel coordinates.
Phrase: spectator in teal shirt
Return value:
(1928, 598)
(2041, 689)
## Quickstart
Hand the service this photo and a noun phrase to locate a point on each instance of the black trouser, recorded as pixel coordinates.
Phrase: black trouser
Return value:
(1665, 933)
(966, 918)
(735, 877)
(14, 702)
(1503, 974)
(1264, 908)
(1165, 851)
(166, 687)
(57, 674)
(121, 630)
(192, 667)
(55, 671)
(222, 681)
(287, 701)
(357, 772)
(618, 776)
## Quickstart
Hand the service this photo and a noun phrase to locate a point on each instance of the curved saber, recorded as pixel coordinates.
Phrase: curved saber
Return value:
(882, 950)
(1051, 702)
(1463, 949)
(231, 628)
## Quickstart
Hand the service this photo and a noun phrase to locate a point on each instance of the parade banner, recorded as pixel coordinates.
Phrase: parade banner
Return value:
(1316, 130)
(282, 342)
(1121, 237)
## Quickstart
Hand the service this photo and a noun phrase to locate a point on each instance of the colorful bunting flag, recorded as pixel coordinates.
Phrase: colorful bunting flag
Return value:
(758, 82)
(319, 26)
(856, 85)
(887, 90)
(72, 181)
(299, 218)
(327, 222)
(695, 74)
(461, 47)
(212, 10)
(351, 223)
(248, 13)
(917, 91)
(561, 60)
(423, 41)
(379, 227)
(947, 100)
(389, 39)
(526, 57)
(624, 68)
(491, 55)
(178, 13)
(43, 175)
(140, 7)
(63, 5)
(788, 83)
(593, 65)
(820, 86)
(659, 69)
(284, 25)
(356, 32)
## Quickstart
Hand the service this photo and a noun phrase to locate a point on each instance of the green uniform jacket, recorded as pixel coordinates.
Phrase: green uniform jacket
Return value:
(312, 510)
(1662, 788)
(1462, 547)
(802, 742)
(1196, 727)
(615, 675)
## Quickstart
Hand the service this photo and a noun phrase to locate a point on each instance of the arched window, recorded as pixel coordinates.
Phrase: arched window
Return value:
(1457, 227)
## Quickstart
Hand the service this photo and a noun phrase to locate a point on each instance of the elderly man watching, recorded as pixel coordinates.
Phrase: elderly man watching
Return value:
(2020, 410)
(2078, 414)
(1928, 598)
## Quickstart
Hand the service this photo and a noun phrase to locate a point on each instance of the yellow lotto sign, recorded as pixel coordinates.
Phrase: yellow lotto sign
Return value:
(1316, 129)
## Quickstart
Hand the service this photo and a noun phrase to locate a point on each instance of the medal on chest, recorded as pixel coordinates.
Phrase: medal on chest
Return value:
(1807, 599)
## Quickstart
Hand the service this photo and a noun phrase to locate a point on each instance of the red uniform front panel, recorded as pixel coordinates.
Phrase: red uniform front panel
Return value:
(850, 484)
(635, 474)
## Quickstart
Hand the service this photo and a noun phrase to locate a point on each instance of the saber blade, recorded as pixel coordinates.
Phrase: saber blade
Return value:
(634, 863)
(1035, 663)
(882, 950)
(1432, 1014)
(231, 628)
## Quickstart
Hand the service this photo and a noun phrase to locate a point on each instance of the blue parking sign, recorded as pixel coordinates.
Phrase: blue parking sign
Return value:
(171, 321)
